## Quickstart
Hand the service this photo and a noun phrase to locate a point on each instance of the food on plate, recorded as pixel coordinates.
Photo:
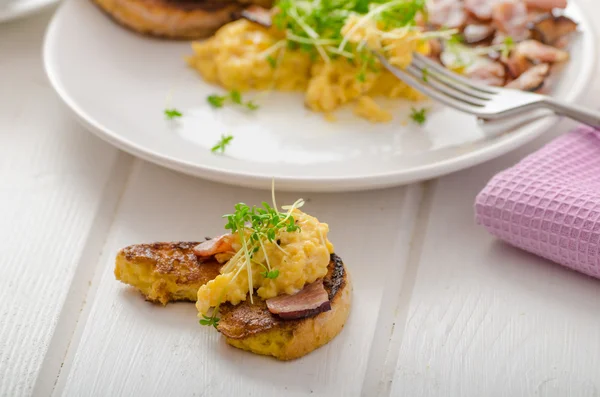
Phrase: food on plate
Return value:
(500, 40)
(176, 19)
(272, 285)
(322, 48)
(325, 48)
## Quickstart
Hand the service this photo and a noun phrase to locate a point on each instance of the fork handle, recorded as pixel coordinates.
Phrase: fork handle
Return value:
(579, 113)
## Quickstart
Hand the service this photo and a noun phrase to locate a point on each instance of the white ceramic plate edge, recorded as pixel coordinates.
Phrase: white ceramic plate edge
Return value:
(22, 11)
(337, 184)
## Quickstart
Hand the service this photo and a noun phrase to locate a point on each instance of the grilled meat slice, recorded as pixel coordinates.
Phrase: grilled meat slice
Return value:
(311, 300)
(254, 328)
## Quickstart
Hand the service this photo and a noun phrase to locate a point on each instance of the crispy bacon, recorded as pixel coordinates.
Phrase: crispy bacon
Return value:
(257, 14)
(481, 9)
(549, 28)
(538, 52)
(488, 72)
(311, 300)
(510, 16)
(448, 13)
(531, 80)
(475, 33)
(214, 246)
(546, 5)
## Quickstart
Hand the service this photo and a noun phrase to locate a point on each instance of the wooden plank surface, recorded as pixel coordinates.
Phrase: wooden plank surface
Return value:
(486, 319)
(440, 308)
(52, 177)
(491, 320)
(131, 347)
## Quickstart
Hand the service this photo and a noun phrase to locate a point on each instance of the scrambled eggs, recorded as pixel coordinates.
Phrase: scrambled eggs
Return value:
(243, 55)
(301, 257)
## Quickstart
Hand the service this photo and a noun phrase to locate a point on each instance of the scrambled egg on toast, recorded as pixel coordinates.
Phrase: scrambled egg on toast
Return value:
(167, 272)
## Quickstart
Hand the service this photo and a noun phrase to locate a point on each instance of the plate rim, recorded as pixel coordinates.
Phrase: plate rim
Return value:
(311, 183)
(24, 11)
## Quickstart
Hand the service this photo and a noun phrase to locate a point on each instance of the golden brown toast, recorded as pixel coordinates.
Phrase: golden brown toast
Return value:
(254, 328)
(166, 272)
(176, 19)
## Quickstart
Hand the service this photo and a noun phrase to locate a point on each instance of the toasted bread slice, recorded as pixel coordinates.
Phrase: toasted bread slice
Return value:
(254, 328)
(175, 19)
(166, 272)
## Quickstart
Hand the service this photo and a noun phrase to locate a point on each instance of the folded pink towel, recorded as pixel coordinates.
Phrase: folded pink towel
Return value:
(549, 203)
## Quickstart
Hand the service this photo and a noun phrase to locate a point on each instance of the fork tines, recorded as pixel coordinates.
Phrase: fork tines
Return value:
(437, 82)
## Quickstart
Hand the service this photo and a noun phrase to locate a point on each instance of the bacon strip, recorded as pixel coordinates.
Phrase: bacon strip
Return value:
(258, 14)
(311, 300)
(214, 246)
(546, 5)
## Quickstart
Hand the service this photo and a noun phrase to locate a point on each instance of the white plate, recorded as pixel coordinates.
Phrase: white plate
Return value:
(13, 9)
(117, 83)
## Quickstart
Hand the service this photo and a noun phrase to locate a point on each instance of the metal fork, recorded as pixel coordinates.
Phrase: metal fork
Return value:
(485, 102)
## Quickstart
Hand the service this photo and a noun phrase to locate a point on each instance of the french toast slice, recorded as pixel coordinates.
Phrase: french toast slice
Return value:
(176, 19)
(254, 328)
(167, 272)
(164, 272)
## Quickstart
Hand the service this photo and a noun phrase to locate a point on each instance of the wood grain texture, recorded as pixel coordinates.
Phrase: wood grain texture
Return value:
(486, 319)
(131, 347)
(52, 175)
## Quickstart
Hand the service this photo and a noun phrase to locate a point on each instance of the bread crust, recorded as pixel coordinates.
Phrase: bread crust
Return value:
(300, 337)
(173, 19)
(252, 327)
(164, 272)
(167, 272)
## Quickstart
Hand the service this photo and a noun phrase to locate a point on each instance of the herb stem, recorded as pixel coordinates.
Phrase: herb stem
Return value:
(248, 265)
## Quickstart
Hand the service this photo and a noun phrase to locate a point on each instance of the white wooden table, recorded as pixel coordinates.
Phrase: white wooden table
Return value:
(440, 307)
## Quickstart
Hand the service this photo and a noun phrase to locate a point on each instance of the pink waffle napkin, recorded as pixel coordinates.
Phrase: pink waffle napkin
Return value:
(549, 203)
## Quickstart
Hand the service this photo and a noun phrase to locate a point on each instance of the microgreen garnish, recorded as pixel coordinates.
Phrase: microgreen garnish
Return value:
(210, 320)
(316, 26)
(425, 74)
(172, 114)
(272, 61)
(236, 97)
(464, 56)
(419, 116)
(256, 227)
(270, 274)
(509, 44)
(220, 146)
(218, 101)
(251, 105)
(460, 55)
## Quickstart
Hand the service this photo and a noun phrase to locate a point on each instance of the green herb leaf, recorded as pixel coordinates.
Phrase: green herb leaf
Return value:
(220, 146)
(509, 44)
(236, 97)
(419, 116)
(315, 26)
(251, 105)
(272, 61)
(273, 274)
(172, 114)
(212, 320)
(425, 74)
(216, 101)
